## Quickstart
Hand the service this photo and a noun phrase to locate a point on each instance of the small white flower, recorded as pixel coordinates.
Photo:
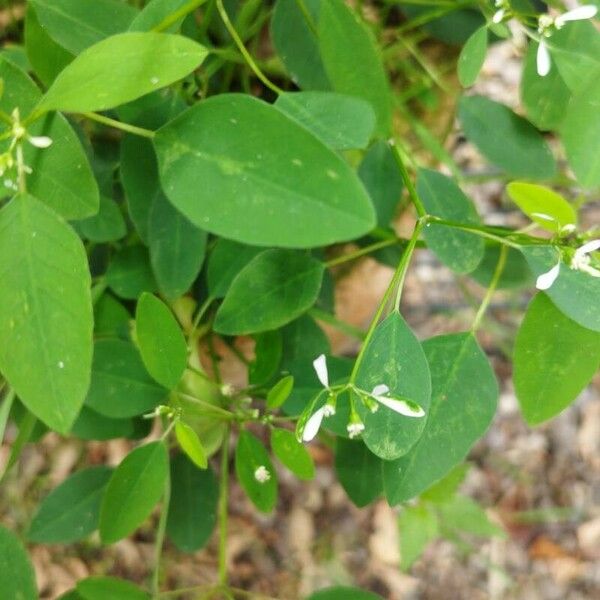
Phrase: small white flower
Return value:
(545, 280)
(262, 474)
(498, 16)
(543, 60)
(581, 259)
(355, 429)
(320, 366)
(580, 13)
(40, 141)
(402, 407)
(327, 410)
(313, 425)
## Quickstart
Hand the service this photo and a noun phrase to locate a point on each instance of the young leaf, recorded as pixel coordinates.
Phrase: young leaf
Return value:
(554, 359)
(472, 57)
(280, 392)
(130, 274)
(339, 121)
(292, 454)
(107, 225)
(459, 250)
(133, 490)
(160, 340)
(223, 166)
(574, 293)
(193, 506)
(61, 175)
(542, 205)
(276, 287)
(295, 37)
(17, 579)
(359, 471)
(121, 386)
(77, 24)
(176, 248)
(190, 443)
(380, 175)
(394, 358)
(102, 588)
(147, 62)
(255, 472)
(464, 398)
(352, 60)
(46, 316)
(506, 139)
(418, 527)
(71, 511)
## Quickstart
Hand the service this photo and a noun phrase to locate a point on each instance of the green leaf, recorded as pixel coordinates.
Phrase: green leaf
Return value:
(574, 293)
(292, 454)
(133, 490)
(545, 98)
(516, 272)
(61, 174)
(280, 392)
(464, 515)
(107, 225)
(352, 61)
(177, 248)
(418, 527)
(580, 131)
(102, 588)
(536, 200)
(155, 12)
(250, 456)
(554, 359)
(380, 175)
(339, 121)
(359, 471)
(91, 425)
(71, 511)
(472, 57)
(267, 357)
(295, 37)
(47, 57)
(147, 62)
(464, 398)
(130, 274)
(226, 260)
(17, 579)
(190, 443)
(343, 593)
(46, 316)
(223, 166)
(273, 289)
(121, 386)
(506, 139)
(160, 340)
(394, 357)
(459, 250)
(77, 24)
(193, 505)
(111, 318)
(444, 489)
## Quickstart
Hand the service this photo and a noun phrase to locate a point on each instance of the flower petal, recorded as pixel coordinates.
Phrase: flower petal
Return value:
(543, 60)
(40, 141)
(400, 406)
(320, 365)
(577, 14)
(545, 280)
(380, 389)
(313, 424)
(588, 247)
(498, 16)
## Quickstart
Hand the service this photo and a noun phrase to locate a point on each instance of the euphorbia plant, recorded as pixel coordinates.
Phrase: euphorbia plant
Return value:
(163, 187)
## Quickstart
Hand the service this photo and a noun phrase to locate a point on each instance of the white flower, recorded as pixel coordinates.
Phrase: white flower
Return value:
(262, 474)
(313, 424)
(547, 25)
(39, 141)
(581, 258)
(320, 366)
(355, 429)
(407, 409)
(498, 16)
(327, 410)
(545, 280)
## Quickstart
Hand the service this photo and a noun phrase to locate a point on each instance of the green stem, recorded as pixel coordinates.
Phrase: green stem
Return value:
(223, 508)
(344, 327)
(405, 260)
(491, 289)
(412, 192)
(485, 232)
(26, 427)
(182, 12)
(238, 42)
(340, 260)
(160, 536)
(140, 131)
(21, 169)
(5, 411)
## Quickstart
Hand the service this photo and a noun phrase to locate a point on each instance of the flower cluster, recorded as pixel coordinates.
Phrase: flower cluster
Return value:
(379, 395)
(580, 261)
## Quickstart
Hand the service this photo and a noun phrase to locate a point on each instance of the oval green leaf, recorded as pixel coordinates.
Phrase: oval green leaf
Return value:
(359, 471)
(222, 164)
(280, 392)
(133, 490)
(554, 359)
(146, 62)
(129, 273)
(17, 579)
(472, 57)
(190, 443)
(292, 454)
(108, 225)
(102, 588)
(276, 287)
